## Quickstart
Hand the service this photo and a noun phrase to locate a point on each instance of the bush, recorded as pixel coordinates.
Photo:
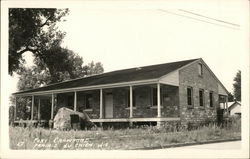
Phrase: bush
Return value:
(234, 123)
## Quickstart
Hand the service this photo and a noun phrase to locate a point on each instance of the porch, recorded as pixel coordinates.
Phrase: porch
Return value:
(149, 102)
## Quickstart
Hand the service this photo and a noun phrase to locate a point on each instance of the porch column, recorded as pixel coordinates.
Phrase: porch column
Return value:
(158, 100)
(131, 101)
(32, 107)
(15, 108)
(75, 101)
(52, 106)
(101, 104)
(38, 111)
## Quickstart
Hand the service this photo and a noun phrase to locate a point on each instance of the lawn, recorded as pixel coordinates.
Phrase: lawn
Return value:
(123, 139)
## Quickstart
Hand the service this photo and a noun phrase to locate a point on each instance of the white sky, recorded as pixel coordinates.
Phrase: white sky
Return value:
(122, 35)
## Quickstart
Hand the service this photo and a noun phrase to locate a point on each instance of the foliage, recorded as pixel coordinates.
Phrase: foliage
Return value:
(60, 64)
(33, 77)
(34, 30)
(37, 75)
(230, 97)
(237, 86)
(94, 68)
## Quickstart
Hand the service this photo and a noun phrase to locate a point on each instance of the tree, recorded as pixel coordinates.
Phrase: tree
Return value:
(33, 30)
(230, 97)
(60, 63)
(237, 86)
(94, 68)
(23, 111)
(36, 76)
(33, 77)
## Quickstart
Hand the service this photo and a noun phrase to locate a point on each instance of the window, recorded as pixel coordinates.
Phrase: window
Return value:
(200, 69)
(89, 101)
(189, 96)
(201, 97)
(211, 99)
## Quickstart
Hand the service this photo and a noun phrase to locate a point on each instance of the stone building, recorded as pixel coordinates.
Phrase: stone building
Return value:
(184, 91)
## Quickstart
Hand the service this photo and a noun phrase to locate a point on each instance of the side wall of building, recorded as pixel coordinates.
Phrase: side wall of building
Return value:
(189, 77)
(236, 109)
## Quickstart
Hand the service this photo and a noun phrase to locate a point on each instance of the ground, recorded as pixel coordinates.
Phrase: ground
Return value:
(145, 137)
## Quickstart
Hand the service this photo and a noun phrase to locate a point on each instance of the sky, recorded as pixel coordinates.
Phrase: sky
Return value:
(131, 34)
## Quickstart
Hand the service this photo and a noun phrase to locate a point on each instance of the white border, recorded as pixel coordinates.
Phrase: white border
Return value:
(169, 153)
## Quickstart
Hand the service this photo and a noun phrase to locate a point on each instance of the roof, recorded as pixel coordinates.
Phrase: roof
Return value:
(233, 104)
(126, 75)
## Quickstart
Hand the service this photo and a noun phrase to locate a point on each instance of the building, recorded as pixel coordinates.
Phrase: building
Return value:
(184, 91)
(234, 108)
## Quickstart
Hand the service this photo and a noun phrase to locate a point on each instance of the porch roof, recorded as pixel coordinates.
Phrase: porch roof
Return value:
(120, 76)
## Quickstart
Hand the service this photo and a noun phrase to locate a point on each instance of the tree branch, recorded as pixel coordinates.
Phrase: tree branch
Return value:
(27, 49)
(45, 23)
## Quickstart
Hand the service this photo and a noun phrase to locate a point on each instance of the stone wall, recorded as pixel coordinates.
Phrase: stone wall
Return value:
(143, 103)
(144, 107)
(196, 114)
(120, 103)
(63, 100)
(94, 112)
(121, 109)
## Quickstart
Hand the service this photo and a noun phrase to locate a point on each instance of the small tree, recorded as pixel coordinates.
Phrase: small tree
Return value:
(230, 97)
(237, 86)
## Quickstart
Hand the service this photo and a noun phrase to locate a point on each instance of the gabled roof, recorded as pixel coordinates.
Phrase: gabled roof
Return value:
(233, 104)
(126, 75)
(219, 82)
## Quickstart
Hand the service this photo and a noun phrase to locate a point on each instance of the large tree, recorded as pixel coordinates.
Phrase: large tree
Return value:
(60, 63)
(237, 86)
(34, 30)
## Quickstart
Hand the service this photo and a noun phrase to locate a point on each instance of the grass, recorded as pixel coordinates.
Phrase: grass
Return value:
(142, 137)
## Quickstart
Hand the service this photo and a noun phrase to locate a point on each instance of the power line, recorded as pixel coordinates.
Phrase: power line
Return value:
(197, 19)
(218, 20)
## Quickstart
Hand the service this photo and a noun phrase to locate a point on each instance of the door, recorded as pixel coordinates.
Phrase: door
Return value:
(108, 105)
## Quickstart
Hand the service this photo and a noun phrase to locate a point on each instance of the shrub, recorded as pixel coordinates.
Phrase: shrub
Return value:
(234, 123)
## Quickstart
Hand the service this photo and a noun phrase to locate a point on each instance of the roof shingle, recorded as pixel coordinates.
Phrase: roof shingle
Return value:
(126, 75)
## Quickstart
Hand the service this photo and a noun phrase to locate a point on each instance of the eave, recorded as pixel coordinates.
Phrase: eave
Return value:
(95, 87)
